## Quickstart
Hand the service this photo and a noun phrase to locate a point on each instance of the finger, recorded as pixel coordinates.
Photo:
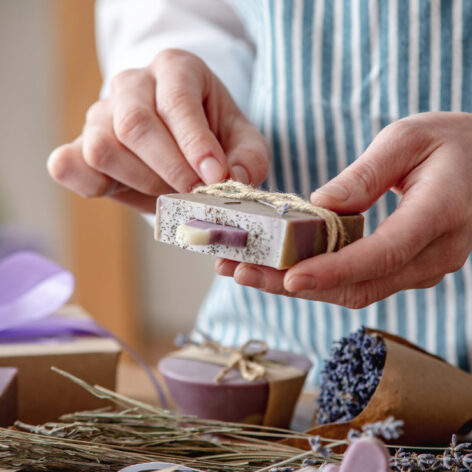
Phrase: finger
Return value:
(261, 277)
(444, 255)
(225, 267)
(67, 166)
(247, 150)
(138, 128)
(418, 220)
(143, 203)
(184, 85)
(392, 154)
(104, 153)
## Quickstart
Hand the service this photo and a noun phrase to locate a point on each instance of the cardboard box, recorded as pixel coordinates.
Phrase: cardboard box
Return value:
(8, 396)
(44, 395)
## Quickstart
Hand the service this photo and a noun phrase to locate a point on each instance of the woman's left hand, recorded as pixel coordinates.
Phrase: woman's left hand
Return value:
(427, 160)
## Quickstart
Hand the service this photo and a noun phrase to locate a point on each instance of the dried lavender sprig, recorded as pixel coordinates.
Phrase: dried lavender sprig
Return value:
(455, 458)
(318, 449)
(389, 428)
(145, 423)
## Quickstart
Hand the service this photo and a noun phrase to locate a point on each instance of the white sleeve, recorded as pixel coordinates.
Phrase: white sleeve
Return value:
(129, 34)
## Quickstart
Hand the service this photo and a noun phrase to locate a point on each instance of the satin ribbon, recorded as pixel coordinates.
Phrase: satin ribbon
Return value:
(32, 289)
(162, 466)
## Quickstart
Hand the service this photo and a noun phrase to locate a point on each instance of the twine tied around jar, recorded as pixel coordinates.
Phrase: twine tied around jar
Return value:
(244, 358)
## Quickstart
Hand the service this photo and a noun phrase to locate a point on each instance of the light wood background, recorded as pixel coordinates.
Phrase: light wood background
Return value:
(100, 231)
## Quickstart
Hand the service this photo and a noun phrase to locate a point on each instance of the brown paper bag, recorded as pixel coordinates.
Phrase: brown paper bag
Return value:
(432, 397)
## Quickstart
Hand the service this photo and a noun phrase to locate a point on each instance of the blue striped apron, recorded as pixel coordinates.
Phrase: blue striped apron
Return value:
(328, 76)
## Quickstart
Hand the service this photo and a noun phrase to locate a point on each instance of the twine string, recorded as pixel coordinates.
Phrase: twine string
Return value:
(244, 358)
(281, 202)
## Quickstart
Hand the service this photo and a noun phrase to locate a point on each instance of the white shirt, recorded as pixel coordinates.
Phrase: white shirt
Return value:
(129, 34)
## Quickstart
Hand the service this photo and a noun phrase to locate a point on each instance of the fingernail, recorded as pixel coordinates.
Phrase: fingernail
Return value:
(332, 191)
(252, 277)
(240, 174)
(211, 170)
(300, 282)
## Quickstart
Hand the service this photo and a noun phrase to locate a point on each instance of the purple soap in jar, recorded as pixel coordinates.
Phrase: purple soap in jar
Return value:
(195, 391)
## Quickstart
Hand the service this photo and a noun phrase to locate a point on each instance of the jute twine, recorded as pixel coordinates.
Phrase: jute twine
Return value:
(244, 358)
(281, 202)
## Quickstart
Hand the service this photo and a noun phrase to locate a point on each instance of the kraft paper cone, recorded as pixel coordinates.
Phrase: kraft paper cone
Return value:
(432, 397)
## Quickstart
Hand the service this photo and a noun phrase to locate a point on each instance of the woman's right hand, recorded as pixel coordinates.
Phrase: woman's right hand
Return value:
(164, 128)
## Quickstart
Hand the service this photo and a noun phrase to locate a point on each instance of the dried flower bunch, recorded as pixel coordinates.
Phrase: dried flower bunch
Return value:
(350, 376)
(108, 440)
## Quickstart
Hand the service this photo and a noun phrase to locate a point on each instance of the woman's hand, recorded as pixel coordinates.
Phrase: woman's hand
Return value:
(164, 128)
(425, 158)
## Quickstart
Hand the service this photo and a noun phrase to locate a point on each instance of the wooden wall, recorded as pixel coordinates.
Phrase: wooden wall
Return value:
(101, 235)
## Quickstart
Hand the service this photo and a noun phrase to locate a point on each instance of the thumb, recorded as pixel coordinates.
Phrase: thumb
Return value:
(355, 189)
(395, 151)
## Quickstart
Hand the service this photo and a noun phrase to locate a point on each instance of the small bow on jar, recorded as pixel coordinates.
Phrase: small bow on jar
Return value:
(245, 358)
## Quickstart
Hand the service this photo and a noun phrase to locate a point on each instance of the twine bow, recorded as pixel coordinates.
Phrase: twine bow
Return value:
(245, 358)
(281, 202)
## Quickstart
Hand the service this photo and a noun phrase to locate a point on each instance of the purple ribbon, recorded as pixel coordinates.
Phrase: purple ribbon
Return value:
(152, 466)
(32, 289)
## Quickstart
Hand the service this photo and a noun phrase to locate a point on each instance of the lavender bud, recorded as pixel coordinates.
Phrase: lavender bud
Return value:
(318, 449)
(283, 209)
(181, 340)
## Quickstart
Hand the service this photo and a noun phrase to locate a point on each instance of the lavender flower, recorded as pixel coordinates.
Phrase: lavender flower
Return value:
(318, 449)
(182, 340)
(350, 376)
(283, 209)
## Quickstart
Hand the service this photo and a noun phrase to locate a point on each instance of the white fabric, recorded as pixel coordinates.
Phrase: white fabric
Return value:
(129, 34)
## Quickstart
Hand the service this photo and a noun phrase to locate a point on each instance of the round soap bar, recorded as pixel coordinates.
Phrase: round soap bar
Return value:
(366, 455)
(194, 390)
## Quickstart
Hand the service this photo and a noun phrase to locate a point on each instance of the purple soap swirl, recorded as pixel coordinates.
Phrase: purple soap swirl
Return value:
(350, 376)
(221, 234)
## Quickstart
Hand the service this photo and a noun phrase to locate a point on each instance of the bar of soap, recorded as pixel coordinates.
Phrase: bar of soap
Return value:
(201, 233)
(273, 240)
(8, 396)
